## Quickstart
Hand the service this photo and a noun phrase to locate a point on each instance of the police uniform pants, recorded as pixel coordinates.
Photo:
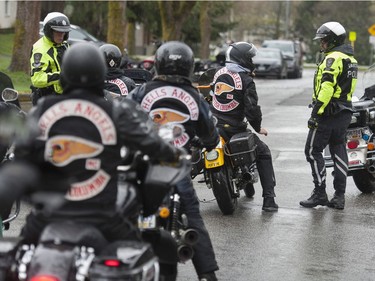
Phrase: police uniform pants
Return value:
(331, 131)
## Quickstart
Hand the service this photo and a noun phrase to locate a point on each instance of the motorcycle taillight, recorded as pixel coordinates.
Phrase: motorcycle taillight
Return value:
(352, 144)
(112, 263)
(44, 278)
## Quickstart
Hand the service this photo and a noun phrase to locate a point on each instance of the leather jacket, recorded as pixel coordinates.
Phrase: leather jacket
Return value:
(80, 136)
(117, 83)
(173, 99)
(234, 98)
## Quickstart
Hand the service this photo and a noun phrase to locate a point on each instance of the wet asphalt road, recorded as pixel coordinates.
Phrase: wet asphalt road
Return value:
(295, 243)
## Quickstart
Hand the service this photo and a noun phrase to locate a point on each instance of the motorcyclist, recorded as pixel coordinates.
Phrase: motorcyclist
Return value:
(234, 98)
(334, 83)
(46, 56)
(171, 98)
(115, 80)
(79, 142)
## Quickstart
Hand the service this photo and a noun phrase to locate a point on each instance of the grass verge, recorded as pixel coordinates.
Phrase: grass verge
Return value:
(21, 80)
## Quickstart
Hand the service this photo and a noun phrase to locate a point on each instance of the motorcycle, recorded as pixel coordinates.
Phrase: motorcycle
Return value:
(231, 166)
(227, 169)
(168, 217)
(76, 251)
(360, 143)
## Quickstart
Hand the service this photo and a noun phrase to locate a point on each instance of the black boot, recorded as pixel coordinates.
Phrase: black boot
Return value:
(209, 276)
(338, 201)
(269, 205)
(318, 197)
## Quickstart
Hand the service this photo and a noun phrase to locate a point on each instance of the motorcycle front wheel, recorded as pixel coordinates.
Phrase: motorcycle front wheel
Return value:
(223, 188)
(364, 181)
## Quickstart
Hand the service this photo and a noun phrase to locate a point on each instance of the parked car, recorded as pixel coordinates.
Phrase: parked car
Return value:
(269, 62)
(77, 34)
(292, 52)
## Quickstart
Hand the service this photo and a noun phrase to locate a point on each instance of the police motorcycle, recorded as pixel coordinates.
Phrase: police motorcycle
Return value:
(360, 142)
(76, 251)
(230, 167)
(10, 96)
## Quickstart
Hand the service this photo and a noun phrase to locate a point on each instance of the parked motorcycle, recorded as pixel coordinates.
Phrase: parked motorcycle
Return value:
(360, 144)
(230, 167)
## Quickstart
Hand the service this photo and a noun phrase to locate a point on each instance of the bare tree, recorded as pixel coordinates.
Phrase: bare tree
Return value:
(116, 23)
(205, 29)
(173, 15)
(26, 33)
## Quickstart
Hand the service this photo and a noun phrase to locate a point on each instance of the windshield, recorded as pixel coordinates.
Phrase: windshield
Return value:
(268, 54)
(81, 34)
(369, 77)
(285, 47)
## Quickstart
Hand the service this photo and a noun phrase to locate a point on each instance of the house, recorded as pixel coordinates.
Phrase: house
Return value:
(8, 12)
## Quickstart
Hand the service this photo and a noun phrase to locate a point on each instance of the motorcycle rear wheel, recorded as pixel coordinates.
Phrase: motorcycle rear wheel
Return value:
(223, 188)
(364, 181)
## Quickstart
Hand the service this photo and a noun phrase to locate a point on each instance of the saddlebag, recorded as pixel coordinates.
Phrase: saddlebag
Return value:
(241, 149)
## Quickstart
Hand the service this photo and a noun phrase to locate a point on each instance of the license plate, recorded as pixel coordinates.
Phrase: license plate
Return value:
(147, 222)
(261, 68)
(354, 134)
(357, 157)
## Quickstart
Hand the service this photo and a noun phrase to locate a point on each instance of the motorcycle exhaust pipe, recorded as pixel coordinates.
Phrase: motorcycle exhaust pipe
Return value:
(184, 253)
(189, 236)
(248, 176)
(371, 169)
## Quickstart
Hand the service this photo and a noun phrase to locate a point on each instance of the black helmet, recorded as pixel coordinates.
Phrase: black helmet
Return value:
(58, 22)
(242, 53)
(112, 55)
(83, 66)
(331, 32)
(174, 58)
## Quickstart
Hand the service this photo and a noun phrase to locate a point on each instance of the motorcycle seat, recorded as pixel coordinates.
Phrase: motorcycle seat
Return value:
(72, 233)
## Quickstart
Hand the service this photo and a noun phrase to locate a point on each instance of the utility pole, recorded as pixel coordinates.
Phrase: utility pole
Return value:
(287, 15)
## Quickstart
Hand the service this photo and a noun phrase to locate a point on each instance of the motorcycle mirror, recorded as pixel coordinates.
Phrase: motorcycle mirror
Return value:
(170, 131)
(9, 95)
(205, 80)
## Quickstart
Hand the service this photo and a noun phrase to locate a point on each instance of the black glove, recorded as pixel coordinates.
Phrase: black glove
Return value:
(313, 123)
(196, 142)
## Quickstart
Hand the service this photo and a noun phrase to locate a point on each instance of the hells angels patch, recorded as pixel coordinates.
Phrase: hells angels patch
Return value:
(37, 58)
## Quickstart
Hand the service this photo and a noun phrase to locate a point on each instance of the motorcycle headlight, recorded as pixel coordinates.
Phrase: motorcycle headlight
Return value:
(212, 155)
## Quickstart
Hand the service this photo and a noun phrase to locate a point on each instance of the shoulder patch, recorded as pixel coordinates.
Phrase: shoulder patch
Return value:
(37, 58)
(329, 63)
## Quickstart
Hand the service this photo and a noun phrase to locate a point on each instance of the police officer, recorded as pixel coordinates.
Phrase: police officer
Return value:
(234, 98)
(46, 56)
(80, 137)
(334, 83)
(171, 98)
(115, 81)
